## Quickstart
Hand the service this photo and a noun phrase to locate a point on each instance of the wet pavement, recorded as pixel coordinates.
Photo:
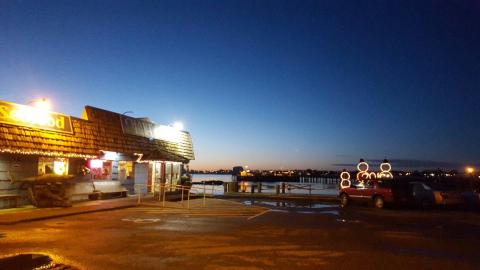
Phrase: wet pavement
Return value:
(30, 213)
(253, 234)
(30, 261)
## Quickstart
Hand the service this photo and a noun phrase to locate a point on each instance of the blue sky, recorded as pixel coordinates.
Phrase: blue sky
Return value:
(269, 84)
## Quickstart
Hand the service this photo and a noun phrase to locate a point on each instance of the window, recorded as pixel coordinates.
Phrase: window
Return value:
(100, 169)
(58, 166)
(125, 170)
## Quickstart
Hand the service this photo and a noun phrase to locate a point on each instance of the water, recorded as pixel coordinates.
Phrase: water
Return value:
(30, 261)
(267, 188)
(290, 204)
(210, 189)
(309, 208)
(206, 177)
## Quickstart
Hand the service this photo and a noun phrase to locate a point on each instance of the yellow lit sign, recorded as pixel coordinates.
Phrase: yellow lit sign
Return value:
(21, 115)
(60, 167)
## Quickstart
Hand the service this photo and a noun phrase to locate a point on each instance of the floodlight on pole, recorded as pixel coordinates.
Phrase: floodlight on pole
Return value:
(40, 103)
(178, 125)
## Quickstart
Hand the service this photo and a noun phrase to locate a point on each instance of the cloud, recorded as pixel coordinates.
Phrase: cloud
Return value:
(344, 155)
(409, 163)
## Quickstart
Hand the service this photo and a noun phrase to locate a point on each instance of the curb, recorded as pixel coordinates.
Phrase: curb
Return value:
(277, 197)
(65, 214)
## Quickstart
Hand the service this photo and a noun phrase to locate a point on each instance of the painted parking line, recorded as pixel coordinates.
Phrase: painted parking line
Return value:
(202, 212)
(259, 214)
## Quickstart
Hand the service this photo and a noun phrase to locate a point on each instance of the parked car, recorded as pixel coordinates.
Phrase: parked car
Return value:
(426, 195)
(472, 199)
(378, 193)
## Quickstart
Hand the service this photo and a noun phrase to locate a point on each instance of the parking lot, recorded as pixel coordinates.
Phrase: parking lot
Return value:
(253, 234)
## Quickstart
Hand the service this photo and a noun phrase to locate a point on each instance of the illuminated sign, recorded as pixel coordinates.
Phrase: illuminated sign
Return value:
(385, 168)
(345, 177)
(21, 115)
(363, 173)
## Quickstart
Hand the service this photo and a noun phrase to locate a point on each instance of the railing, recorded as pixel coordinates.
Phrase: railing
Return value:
(161, 189)
(280, 188)
(308, 187)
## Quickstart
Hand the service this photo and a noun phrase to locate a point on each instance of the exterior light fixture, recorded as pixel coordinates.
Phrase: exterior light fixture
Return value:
(41, 103)
(167, 133)
(470, 170)
(178, 126)
(59, 167)
(96, 163)
(109, 155)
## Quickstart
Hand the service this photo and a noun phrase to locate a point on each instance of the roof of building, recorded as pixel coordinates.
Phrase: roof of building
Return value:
(100, 130)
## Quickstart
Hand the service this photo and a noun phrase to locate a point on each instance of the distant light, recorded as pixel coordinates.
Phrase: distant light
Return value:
(178, 126)
(470, 170)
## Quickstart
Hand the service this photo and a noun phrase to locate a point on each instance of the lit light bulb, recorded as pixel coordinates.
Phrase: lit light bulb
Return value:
(42, 103)
(178, 126)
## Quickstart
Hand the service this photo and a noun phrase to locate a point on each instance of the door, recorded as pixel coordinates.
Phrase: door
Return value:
(163, 173)
(141, 177)
(151, 175)
(156, 176)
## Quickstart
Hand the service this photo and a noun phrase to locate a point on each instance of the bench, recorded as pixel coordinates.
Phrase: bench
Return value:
(15, 198)
(108, 190)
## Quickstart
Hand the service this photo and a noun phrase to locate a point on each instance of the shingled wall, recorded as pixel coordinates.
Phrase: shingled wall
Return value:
(25, 140)
(100, 130)
(112, 138)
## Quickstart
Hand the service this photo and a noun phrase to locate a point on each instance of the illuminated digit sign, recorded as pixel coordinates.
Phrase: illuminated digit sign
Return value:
(363, 173)
(385, 168)
(345, 177)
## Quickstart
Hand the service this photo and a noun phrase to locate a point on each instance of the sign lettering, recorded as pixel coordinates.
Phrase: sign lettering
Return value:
(21, 115)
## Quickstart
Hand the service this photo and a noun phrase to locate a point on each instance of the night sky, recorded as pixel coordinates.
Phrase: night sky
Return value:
(268, 84)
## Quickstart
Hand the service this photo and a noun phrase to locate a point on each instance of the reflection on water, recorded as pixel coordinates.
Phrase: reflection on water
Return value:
(308, 208)
(30, 261)
(284, 204)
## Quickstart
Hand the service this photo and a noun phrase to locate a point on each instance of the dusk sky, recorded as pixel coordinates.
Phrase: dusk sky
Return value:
(268, 84)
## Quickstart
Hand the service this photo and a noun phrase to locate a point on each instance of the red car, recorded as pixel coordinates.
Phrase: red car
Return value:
(377, 192)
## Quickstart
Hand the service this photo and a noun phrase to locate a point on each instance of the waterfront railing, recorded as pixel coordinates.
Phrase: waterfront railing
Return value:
(161, 190)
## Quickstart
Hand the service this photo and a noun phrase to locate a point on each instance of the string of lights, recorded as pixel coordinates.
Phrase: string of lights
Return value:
(45, 153)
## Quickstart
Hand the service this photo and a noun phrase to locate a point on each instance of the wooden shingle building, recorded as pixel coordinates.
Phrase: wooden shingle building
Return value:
(100, 150)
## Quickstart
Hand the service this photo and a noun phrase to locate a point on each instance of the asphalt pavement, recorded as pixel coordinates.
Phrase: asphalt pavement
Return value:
(252, 234)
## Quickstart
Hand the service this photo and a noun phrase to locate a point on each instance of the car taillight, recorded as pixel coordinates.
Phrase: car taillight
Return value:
(438, 197)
